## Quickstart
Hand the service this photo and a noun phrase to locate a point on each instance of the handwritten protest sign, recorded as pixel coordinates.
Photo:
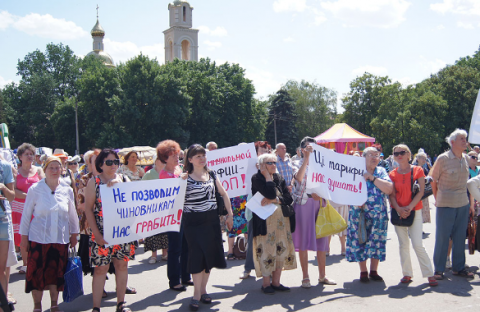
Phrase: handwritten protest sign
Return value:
(336, 177)
(234, 167)
(136, 210)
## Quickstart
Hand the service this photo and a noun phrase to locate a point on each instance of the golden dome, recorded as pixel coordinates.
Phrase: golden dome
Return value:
(105, 57)
(97, 30)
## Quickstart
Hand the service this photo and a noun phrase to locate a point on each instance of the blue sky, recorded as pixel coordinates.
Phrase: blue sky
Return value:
(330, 42)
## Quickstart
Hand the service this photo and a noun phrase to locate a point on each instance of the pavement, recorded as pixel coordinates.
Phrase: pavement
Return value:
(230, 293)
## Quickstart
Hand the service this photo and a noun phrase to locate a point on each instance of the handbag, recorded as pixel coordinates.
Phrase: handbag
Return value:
(428, 188)
(472, 231)
(287, 210)
(240, 248)
(73, 287)
(362, 227)
(222, 211)
(329, 222)
(395, 218)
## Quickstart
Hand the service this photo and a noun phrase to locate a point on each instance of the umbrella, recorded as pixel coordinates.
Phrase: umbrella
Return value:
(146, 154)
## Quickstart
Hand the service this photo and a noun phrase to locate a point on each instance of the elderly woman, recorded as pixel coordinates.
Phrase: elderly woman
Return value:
(106, 163)
(130, 168)
(178, 277)
(422, 162)
(201, 223)
(72, 164)
(26, 177)
(402, 200)
(379, 186)
(307, 207)
(47, 235)
(272, 238)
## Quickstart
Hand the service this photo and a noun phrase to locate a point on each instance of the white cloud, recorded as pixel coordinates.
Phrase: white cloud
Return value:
(46, 26)
(4, 82)
(288, 39)
(289, 6)
(405, 81)
(440, 27)
(431, 66)
(6, 19)
(217, 32)
(467, 11)
(212, 45)
(374, 13)
(265, 82)
(374, 70)
(123, 51)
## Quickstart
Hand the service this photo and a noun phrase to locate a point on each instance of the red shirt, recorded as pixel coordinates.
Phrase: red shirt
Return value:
(403, 186)
(167, 175)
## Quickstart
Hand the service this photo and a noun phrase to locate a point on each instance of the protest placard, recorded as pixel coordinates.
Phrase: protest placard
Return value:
(336, 177)
(234, 166)
(255, 205)
(136, 210)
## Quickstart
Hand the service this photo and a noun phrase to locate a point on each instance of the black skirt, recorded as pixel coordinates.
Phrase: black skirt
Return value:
(204, 239)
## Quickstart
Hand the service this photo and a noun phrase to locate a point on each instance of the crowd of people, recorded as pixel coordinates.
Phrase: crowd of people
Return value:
(49, 203)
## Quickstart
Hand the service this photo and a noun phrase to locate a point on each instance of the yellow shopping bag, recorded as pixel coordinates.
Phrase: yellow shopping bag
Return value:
(329, 221)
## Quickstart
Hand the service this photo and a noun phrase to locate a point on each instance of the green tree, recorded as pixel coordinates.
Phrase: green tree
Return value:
(2, 109)
(282, 120)
(315, 107)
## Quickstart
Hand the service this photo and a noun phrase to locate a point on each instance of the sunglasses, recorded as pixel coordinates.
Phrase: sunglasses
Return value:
(473, 157)
(271, 163)
(72, 163)
(110, 162)
(399, 153)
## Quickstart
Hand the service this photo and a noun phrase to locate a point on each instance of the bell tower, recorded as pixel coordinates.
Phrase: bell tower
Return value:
(181, 40)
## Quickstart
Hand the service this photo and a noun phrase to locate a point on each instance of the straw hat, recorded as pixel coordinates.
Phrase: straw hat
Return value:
(60, 153)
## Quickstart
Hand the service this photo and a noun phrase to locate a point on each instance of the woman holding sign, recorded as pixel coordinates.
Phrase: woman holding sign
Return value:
(272, 238)
(404, 203)
(106, 163)
(307, 207)
(201, 223)
(375, 222)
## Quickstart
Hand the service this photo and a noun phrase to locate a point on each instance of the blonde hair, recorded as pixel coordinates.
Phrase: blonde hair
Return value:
(404, 147)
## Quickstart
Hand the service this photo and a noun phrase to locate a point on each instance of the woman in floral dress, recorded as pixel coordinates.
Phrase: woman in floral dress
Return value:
(379, 186)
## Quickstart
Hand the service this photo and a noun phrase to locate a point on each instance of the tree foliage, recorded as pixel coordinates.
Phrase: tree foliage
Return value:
(282, 120)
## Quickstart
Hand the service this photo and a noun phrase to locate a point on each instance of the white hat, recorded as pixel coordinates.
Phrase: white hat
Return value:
(59, 152)
(75, 158)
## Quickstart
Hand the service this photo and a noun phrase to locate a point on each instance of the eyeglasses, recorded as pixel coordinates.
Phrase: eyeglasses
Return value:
(271, 163)
(399, 153)
(473, 157)
(110, 162)
(373, 155)
(72, 163)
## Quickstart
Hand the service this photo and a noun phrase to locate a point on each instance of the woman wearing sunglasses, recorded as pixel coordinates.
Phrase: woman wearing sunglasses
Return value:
(272, 238)
(106, 163)
(402, 201)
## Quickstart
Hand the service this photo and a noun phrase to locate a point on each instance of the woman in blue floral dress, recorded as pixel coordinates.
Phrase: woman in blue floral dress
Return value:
(379, 186)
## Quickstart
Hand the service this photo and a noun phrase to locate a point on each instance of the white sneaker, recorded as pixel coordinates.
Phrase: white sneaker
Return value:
(244, 275)
(152, 260)
(449, 264)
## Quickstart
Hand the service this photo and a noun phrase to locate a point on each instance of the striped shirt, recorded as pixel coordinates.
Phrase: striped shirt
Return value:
(199, 196)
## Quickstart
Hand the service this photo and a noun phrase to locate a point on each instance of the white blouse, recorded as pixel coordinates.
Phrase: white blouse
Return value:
(55, 217)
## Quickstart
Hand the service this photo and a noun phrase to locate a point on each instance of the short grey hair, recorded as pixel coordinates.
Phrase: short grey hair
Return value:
(370, 150)
(276, 146)
(453, 136)
(422, 154)
(210, 143)
(266, 157)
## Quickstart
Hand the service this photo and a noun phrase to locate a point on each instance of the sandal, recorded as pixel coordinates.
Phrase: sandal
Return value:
(464, 273)
(56, 308)
(130, 291)
(23, 270)
(306, 283)
(438, 275)
(164, 258)
(194, 304)
(122, 308)
(96, 309)
(326, 281)
(375, 277)
(104, 295)
(11, 299)
(364, 277)
(406, 280)
(432, 281)
(152, 260)
(231, 256)
(205, 298)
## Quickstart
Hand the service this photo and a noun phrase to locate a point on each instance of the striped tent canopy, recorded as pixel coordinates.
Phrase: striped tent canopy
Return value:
(344, 138)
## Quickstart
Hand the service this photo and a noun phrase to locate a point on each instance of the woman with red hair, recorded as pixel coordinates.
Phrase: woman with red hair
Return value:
(168, 152)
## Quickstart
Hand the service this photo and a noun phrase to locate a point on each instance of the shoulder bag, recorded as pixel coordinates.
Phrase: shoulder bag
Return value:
(222, 211)
(395, 218)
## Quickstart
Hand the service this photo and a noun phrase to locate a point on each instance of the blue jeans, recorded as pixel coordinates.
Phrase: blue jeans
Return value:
(249, 265)
(177, 258)
(450, 222)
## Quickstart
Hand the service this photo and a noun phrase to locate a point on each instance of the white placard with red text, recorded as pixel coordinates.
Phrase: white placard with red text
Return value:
(234, 166)
(337, 177)
(136, 210)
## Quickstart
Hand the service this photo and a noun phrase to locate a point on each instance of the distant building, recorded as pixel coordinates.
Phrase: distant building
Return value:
(181, 40)
(97, 34)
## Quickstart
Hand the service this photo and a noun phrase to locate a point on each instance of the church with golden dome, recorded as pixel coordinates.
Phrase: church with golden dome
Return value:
(98, 49)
